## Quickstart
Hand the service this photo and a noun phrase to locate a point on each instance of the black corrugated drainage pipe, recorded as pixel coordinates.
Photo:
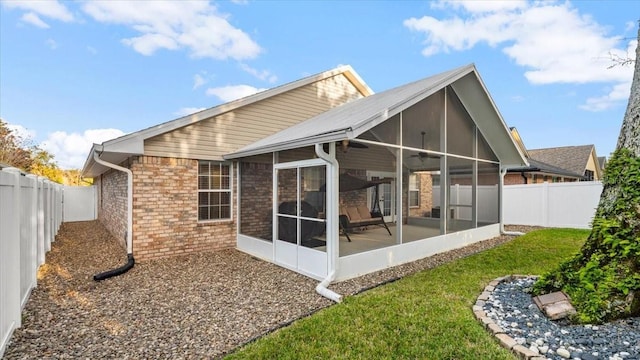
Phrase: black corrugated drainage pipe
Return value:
(130, 261)
(117, 271)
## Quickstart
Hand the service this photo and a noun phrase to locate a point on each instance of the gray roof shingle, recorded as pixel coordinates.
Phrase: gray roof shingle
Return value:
(571, 158)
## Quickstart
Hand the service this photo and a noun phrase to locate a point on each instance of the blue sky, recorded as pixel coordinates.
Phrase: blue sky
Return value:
(77, 72)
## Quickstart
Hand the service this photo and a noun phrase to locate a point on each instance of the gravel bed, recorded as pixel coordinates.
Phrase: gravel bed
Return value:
(186, 307)
(511, 307)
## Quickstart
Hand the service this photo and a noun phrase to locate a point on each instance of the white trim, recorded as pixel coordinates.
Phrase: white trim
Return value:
(366, 262)
(230, 190)
(260, 248)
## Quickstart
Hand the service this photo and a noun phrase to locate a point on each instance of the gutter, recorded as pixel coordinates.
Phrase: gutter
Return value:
(130, 260)
(332, 205)
(503, 172)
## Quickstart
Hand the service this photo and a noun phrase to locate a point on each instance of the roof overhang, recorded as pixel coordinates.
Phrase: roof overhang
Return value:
(110, 154)
(121, 148)
(362, 115)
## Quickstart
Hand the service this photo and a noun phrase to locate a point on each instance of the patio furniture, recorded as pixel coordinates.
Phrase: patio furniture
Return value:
(357, 217)
(287, 227)
(352, 217)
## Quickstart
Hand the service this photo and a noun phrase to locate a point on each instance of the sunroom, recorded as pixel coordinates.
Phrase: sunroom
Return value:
(377, 182)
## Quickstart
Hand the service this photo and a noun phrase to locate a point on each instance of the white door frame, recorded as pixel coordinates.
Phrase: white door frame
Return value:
(309, 262)
(383, 174)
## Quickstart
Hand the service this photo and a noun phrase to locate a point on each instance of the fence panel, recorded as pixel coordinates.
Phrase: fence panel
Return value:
(30, 216)
(9, 256)
(569, 205)
(80, 203)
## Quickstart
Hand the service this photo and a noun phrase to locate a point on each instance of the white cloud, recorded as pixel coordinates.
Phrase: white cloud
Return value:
(615, 96)
(70, 150)
(198, 81)
(264, 75)
(34, 19)
(21, 132)
(630, 25)
(233, 92)
(51, 9)
(553, 41)
(188, 111)
(482, 6)
(240, 2)
(173, 25)
(52, 44)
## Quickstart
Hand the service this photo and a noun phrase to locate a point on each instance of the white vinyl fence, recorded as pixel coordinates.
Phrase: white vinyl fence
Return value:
(487, 200)
(570, 205)
(30, 216)
(80, 203)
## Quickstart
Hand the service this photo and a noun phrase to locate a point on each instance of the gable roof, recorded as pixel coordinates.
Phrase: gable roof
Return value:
(571, 158)
(602, 162)
(354, 118)
(117, 150)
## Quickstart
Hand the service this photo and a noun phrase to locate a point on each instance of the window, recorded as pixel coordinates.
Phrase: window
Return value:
(588, 175)
(414, 191)
(313, 178)
(214, 190)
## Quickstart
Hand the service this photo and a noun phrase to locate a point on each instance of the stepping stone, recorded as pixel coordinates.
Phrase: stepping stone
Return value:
(555, 305)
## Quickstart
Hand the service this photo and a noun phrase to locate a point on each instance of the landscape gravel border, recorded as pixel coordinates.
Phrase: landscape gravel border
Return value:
(203, 305)
(504, 339)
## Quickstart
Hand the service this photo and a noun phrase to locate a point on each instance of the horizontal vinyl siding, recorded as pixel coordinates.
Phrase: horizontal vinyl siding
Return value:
(374, 158)
(225, 133)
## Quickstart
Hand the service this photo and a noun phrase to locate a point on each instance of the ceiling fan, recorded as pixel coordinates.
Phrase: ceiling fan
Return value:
(423, 155)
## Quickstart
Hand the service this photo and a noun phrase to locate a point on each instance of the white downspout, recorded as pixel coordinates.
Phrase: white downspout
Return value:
(332, 224)
(129, 198)
(503, 172)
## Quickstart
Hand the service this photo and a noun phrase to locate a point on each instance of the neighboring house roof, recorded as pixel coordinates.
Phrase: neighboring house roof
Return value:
(541, 167)
(117, 150)
(354, 118)
(602, 162)
(518, 139)
(572, 158)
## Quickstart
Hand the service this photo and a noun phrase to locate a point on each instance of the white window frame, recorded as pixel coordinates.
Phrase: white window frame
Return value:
(414, 187)
(221, 190)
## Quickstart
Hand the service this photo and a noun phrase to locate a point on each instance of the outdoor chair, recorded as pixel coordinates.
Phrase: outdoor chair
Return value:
(357, 217)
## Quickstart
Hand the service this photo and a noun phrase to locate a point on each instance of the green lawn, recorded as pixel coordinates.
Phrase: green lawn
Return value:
(424, 316)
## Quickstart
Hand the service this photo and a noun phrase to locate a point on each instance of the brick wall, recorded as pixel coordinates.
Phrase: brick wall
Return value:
(112, 203)
(256, 199)
(426, 195)
(165, 210)
(513, 179)
(356, 197)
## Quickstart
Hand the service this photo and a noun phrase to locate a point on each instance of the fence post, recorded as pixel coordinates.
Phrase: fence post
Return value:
(545, 204)
(40, 219)
(13, 258)
(33, 218)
